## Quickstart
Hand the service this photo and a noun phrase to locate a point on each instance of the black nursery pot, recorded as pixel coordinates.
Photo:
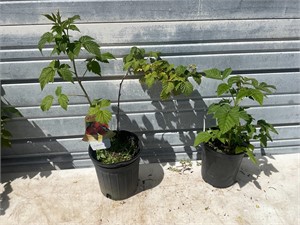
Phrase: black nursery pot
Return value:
(219, 169)
(120, 180)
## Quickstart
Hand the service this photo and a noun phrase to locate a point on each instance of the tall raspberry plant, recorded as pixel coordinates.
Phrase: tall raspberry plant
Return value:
(60, 38)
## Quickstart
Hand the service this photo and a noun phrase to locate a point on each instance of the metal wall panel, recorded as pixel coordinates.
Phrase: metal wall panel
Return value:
(256, 38)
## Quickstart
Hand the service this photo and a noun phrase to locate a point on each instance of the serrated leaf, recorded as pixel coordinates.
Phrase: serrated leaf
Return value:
(92, 47)
(149, 80)
(180, 70)
(45, 38)
(104, 103)
(167, 87)
(222, 88)
(164, 95)
(226, 73)
(66, 74)
(103, 116)
(213, 73)
(47, 102)
(47, 75)
(55, 64)
(227, 117)
(202, 137)
(63, 101)
(58, 91)
(244, 115)
(186, 88)
(94, 66)
(257, 95)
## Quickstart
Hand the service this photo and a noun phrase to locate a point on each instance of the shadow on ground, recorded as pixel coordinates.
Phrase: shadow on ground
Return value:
(249, 172)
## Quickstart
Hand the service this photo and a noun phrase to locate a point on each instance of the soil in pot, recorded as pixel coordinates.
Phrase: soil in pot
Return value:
(219, 169)
(119, 180)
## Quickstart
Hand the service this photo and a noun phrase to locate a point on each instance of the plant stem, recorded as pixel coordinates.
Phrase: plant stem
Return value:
(119, 96)
(80, 84)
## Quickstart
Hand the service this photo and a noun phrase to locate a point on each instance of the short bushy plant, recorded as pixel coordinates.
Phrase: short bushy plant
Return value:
(235, 126)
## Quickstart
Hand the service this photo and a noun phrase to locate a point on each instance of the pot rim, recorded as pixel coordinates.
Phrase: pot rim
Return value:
(119, 164)
(207, 147)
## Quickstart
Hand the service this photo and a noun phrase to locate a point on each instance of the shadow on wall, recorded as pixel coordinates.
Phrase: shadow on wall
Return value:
(166, 129)
(27, 159)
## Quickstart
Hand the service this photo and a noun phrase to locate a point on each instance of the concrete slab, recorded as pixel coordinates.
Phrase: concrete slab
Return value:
(167, 194)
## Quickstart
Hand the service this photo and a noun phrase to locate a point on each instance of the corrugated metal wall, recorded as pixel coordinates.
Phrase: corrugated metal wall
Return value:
(255, 38)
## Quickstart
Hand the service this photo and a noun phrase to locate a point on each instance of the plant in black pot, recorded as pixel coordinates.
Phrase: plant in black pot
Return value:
(115, 154)
(226, 144)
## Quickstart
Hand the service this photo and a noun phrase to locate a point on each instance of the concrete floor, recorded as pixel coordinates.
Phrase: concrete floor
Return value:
(167, 195)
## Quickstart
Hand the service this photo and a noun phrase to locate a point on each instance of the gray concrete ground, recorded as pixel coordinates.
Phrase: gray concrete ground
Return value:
(167, 194)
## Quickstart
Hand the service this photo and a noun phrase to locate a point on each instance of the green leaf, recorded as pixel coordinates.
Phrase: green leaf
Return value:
(45, 38)
(73, 18)
(227, 117)
(150, 79)
(186, 88)
(73, 50)
(222, 88)
(234, 80)
(180, 70)
(47, 102)
(255, 94)
(49, 17)
(105, 57)
(58, 91)
(202, 137)
(92, 47)
(85, 38)
(73, 27)
(249, 152)
(101, 116)
(213, 73)
(66, 74)
(47, 75)
(55, 64)
(226, 73)
(240, 149)
(267, 126)
(94, 66)
(154, 54)
(197, 78)
(167, 87)
(104, 103)
(63, 101)
(244, 115)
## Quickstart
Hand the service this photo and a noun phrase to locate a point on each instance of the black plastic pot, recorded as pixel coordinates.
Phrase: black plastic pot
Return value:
(219, 169)
(120, 180)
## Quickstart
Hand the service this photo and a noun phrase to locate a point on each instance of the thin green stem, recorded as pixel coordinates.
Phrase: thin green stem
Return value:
(80, 83)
